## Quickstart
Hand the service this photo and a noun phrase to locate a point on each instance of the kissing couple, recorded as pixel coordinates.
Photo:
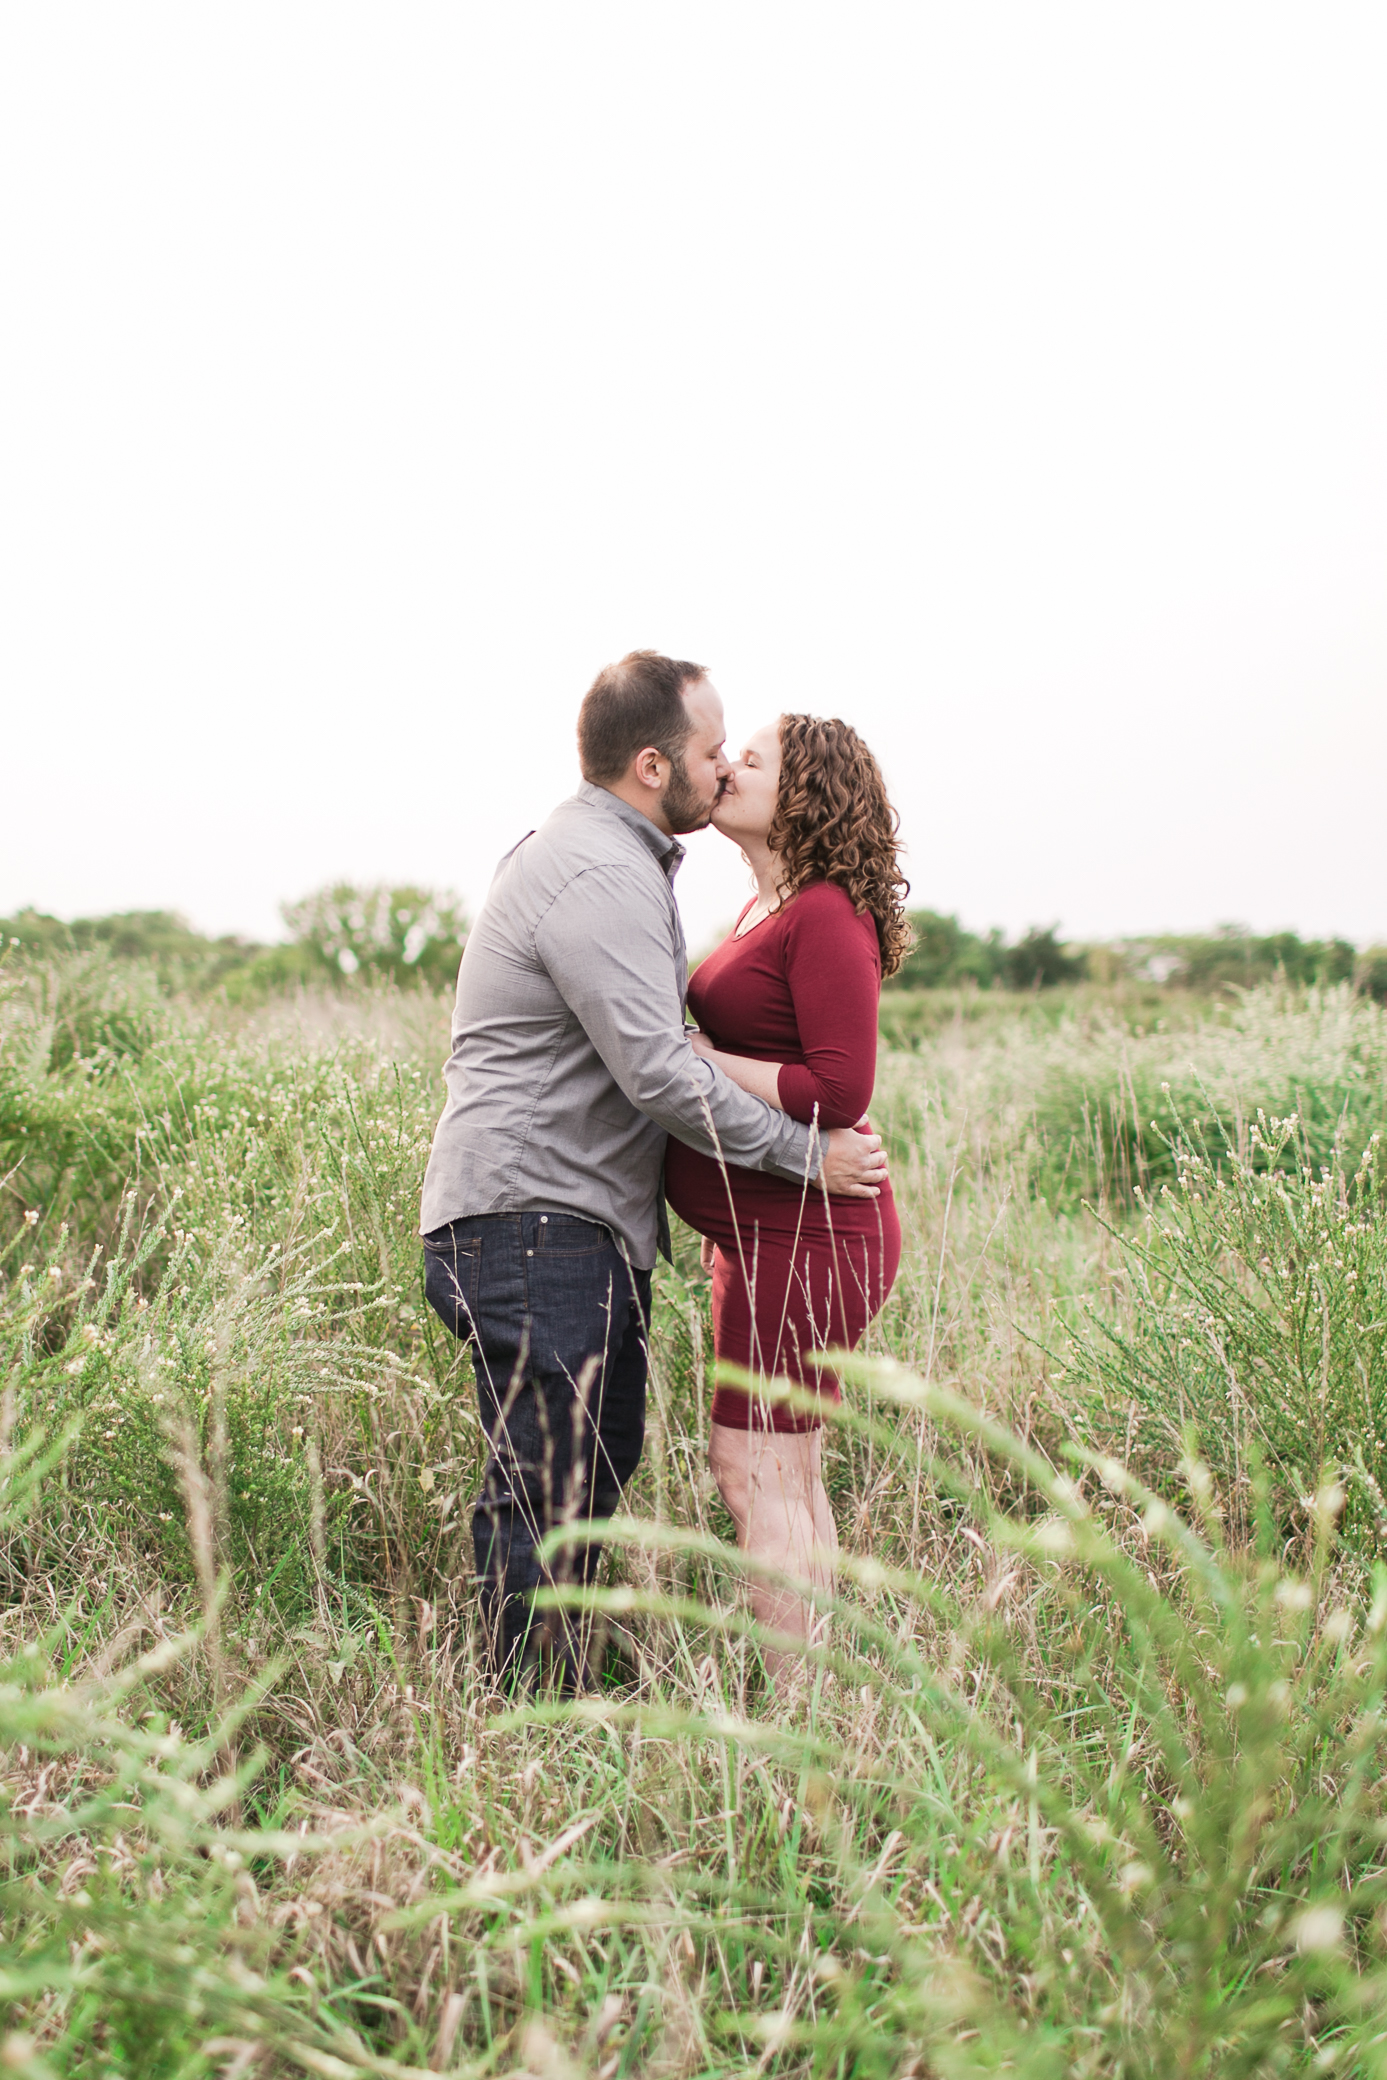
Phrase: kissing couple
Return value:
(579, 1100)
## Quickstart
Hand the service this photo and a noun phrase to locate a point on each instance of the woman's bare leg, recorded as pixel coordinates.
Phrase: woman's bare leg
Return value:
(771, 1483)
(825, 1530)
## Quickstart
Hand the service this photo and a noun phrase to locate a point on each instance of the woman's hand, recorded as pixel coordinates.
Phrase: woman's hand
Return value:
(705, 1254)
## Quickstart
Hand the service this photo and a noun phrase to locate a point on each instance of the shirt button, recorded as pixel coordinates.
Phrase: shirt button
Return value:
(529, 1252)
(543, 1218)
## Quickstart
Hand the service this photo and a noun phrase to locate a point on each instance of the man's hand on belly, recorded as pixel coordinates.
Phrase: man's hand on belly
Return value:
(854, 1165)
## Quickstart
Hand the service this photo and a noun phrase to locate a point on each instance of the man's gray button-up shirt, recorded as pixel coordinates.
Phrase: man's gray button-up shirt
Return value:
(570, 1061)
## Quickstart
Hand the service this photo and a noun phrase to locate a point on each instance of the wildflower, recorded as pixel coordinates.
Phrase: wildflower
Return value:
(31, 1219)
(1318, 1928)
(1294, 1596)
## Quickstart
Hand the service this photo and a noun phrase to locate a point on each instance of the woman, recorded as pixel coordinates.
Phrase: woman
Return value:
(787, 1007)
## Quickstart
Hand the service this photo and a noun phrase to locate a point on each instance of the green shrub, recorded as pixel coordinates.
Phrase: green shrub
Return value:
(1371, 973)
(1096, 1107)
(403, 934)
(1257, 1301)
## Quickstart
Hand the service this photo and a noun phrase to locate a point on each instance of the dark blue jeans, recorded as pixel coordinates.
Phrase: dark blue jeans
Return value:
(558, 1322)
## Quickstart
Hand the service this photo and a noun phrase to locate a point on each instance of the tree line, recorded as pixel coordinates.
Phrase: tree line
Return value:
(346, 935)
(336, 936)
(948, 956)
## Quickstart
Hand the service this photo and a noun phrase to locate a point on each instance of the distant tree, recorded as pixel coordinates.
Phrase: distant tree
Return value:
(1304, 960)
(412, 935)
(36, 932)
(1234, 957)
(1370, 977)
(1336, 960)
(1039, 961)
(944, 955)
(182, 955)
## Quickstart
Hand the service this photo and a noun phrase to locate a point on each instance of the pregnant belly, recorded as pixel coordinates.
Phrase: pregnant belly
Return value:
(724, 1202)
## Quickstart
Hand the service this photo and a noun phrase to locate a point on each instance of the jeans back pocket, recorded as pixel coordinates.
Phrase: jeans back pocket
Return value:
(452, 1272)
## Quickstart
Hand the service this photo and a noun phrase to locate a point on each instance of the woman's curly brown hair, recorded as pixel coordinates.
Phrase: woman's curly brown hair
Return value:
(833, 822)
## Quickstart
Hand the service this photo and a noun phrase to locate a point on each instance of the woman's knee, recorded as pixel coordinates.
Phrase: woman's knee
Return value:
(729, 1463)
(767, 1473)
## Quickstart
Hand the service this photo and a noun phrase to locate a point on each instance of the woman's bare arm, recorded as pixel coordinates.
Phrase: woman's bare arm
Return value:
(761, 1079)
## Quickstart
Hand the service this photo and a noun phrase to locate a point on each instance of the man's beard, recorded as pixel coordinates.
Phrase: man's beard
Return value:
(684, 809)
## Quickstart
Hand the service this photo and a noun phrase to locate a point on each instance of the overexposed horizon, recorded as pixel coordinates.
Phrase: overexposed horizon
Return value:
(1008, 381)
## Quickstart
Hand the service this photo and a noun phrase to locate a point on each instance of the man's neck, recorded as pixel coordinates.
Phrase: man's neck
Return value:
(643, 799)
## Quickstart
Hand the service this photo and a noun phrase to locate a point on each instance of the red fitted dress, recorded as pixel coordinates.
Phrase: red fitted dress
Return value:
(796, 1271)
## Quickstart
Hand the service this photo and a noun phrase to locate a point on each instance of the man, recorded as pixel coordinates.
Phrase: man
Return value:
(542, 1207)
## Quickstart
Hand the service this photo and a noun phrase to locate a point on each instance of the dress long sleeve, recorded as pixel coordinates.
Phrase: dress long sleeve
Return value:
(833, 968)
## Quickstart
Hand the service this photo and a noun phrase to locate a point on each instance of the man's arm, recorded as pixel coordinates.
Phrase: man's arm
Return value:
(605, 942)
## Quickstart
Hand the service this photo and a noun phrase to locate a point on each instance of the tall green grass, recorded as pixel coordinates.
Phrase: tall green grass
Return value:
(1100, 1826)
(1086, 1780)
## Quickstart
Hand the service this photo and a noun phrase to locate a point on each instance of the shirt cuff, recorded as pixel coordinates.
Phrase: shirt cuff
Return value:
(799, 1152)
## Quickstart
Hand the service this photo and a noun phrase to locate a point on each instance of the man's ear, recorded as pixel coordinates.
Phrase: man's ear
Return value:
(647, 769)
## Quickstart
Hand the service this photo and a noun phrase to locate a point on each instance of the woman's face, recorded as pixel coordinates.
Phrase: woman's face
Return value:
(746, 806)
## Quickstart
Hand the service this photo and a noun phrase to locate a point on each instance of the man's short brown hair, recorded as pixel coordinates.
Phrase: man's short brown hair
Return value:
(633, 706)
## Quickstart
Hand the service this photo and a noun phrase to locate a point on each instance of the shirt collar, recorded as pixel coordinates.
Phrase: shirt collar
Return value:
(668, 851)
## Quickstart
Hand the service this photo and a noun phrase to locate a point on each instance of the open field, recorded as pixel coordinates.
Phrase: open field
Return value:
(1089, 1778)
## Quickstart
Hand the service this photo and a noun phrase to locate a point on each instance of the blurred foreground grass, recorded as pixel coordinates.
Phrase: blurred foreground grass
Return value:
(1088, 1780)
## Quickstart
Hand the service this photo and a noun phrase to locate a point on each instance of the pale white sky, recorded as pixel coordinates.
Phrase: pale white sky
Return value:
(1011, 380)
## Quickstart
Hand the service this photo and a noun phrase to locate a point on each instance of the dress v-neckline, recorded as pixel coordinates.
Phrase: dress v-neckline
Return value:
(737, 932)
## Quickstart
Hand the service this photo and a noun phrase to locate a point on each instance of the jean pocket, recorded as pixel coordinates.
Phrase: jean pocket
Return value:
(568, 1235)
(452, 1273)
